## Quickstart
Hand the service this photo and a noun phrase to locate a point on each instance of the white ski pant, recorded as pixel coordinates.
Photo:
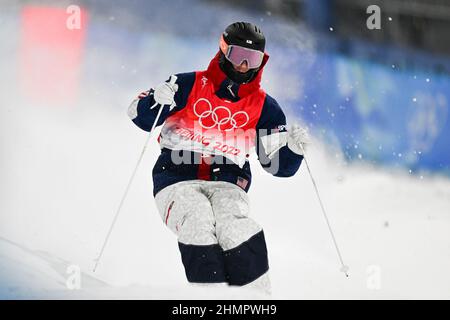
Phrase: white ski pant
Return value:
(218, 240)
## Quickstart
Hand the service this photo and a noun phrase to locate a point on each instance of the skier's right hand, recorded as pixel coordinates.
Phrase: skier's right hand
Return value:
(164, 94)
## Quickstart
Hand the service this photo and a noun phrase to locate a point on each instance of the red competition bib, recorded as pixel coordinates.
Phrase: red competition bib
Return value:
(214, 126)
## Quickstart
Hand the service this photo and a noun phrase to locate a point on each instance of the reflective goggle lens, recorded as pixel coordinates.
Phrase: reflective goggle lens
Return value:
(237, 55)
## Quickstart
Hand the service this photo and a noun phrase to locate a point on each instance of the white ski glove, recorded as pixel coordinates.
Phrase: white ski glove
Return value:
(165, 92)
(298, 139)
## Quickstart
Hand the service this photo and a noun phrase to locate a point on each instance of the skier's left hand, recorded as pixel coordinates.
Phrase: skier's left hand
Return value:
(298, 139)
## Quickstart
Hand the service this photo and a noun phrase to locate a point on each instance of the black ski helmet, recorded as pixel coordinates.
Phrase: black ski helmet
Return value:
(244, 34)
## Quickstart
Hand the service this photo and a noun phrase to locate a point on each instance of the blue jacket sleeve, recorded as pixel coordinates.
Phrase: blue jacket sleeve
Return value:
(144, 117)
(282, 162)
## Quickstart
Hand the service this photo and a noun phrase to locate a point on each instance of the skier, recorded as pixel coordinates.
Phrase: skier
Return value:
(212, 120)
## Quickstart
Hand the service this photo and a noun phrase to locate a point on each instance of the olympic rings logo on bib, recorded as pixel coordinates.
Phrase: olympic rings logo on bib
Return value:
(220, 116)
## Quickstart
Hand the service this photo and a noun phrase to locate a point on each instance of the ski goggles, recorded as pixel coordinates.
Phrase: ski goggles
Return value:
(237, 55)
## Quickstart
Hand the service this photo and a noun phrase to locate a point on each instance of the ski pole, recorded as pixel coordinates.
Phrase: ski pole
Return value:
(344, 267)
(172, 81)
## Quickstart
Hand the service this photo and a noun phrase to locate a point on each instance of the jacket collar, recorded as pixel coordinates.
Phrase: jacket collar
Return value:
(217, 76)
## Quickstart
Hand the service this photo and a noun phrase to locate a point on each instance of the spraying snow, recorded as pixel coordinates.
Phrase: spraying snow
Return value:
(65, 166)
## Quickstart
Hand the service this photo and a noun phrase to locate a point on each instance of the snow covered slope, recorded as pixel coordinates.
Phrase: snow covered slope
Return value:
(65, 170)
